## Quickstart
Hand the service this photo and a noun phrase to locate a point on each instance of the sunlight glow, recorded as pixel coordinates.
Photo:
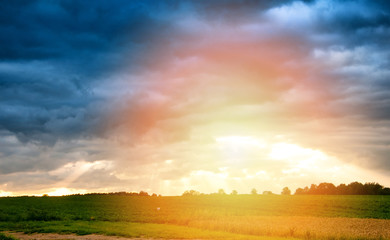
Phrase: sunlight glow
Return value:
(5, 194)
(239, 149)
(65, 191)
(288, 151)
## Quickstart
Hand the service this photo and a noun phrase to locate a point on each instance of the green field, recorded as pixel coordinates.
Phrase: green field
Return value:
(212, 217)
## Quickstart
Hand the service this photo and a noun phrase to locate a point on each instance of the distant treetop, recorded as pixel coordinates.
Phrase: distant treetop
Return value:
(286, 191)
(354, 188)
(254, 191)
(191, 193)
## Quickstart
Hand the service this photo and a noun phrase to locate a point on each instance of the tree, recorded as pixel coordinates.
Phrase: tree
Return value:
(143, 193)
(313, 189)
(342, 189)
(254, 191)
(299, 191)
(372, 188)
(354, 188)
(286, 191)
(221, 192)
(385, 191)
(234, 192)
(191, 193)
(326, 188)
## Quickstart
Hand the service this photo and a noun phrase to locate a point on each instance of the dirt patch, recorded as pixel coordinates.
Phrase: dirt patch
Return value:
(56, 236)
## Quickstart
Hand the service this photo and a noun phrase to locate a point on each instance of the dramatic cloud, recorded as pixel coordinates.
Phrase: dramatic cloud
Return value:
(171, 95)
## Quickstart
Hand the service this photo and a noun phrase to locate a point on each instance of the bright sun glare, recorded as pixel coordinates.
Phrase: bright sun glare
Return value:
(239, 149)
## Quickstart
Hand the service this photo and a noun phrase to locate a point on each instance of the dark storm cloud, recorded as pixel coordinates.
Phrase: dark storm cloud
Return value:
(61, 29)
(52, 55)
(233, 10)
(356, 22)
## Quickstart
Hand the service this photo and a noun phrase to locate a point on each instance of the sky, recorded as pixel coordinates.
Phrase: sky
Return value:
(168, 96)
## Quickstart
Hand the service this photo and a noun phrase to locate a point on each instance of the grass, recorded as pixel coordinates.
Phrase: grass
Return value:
(127, 229)
(6, 237)
(215, 217)
(180, 209)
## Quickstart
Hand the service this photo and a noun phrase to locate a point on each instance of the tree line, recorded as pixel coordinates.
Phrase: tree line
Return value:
(354, 188)
(222, 192)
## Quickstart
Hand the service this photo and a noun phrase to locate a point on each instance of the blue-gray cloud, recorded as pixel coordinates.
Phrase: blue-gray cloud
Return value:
(52, 55)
